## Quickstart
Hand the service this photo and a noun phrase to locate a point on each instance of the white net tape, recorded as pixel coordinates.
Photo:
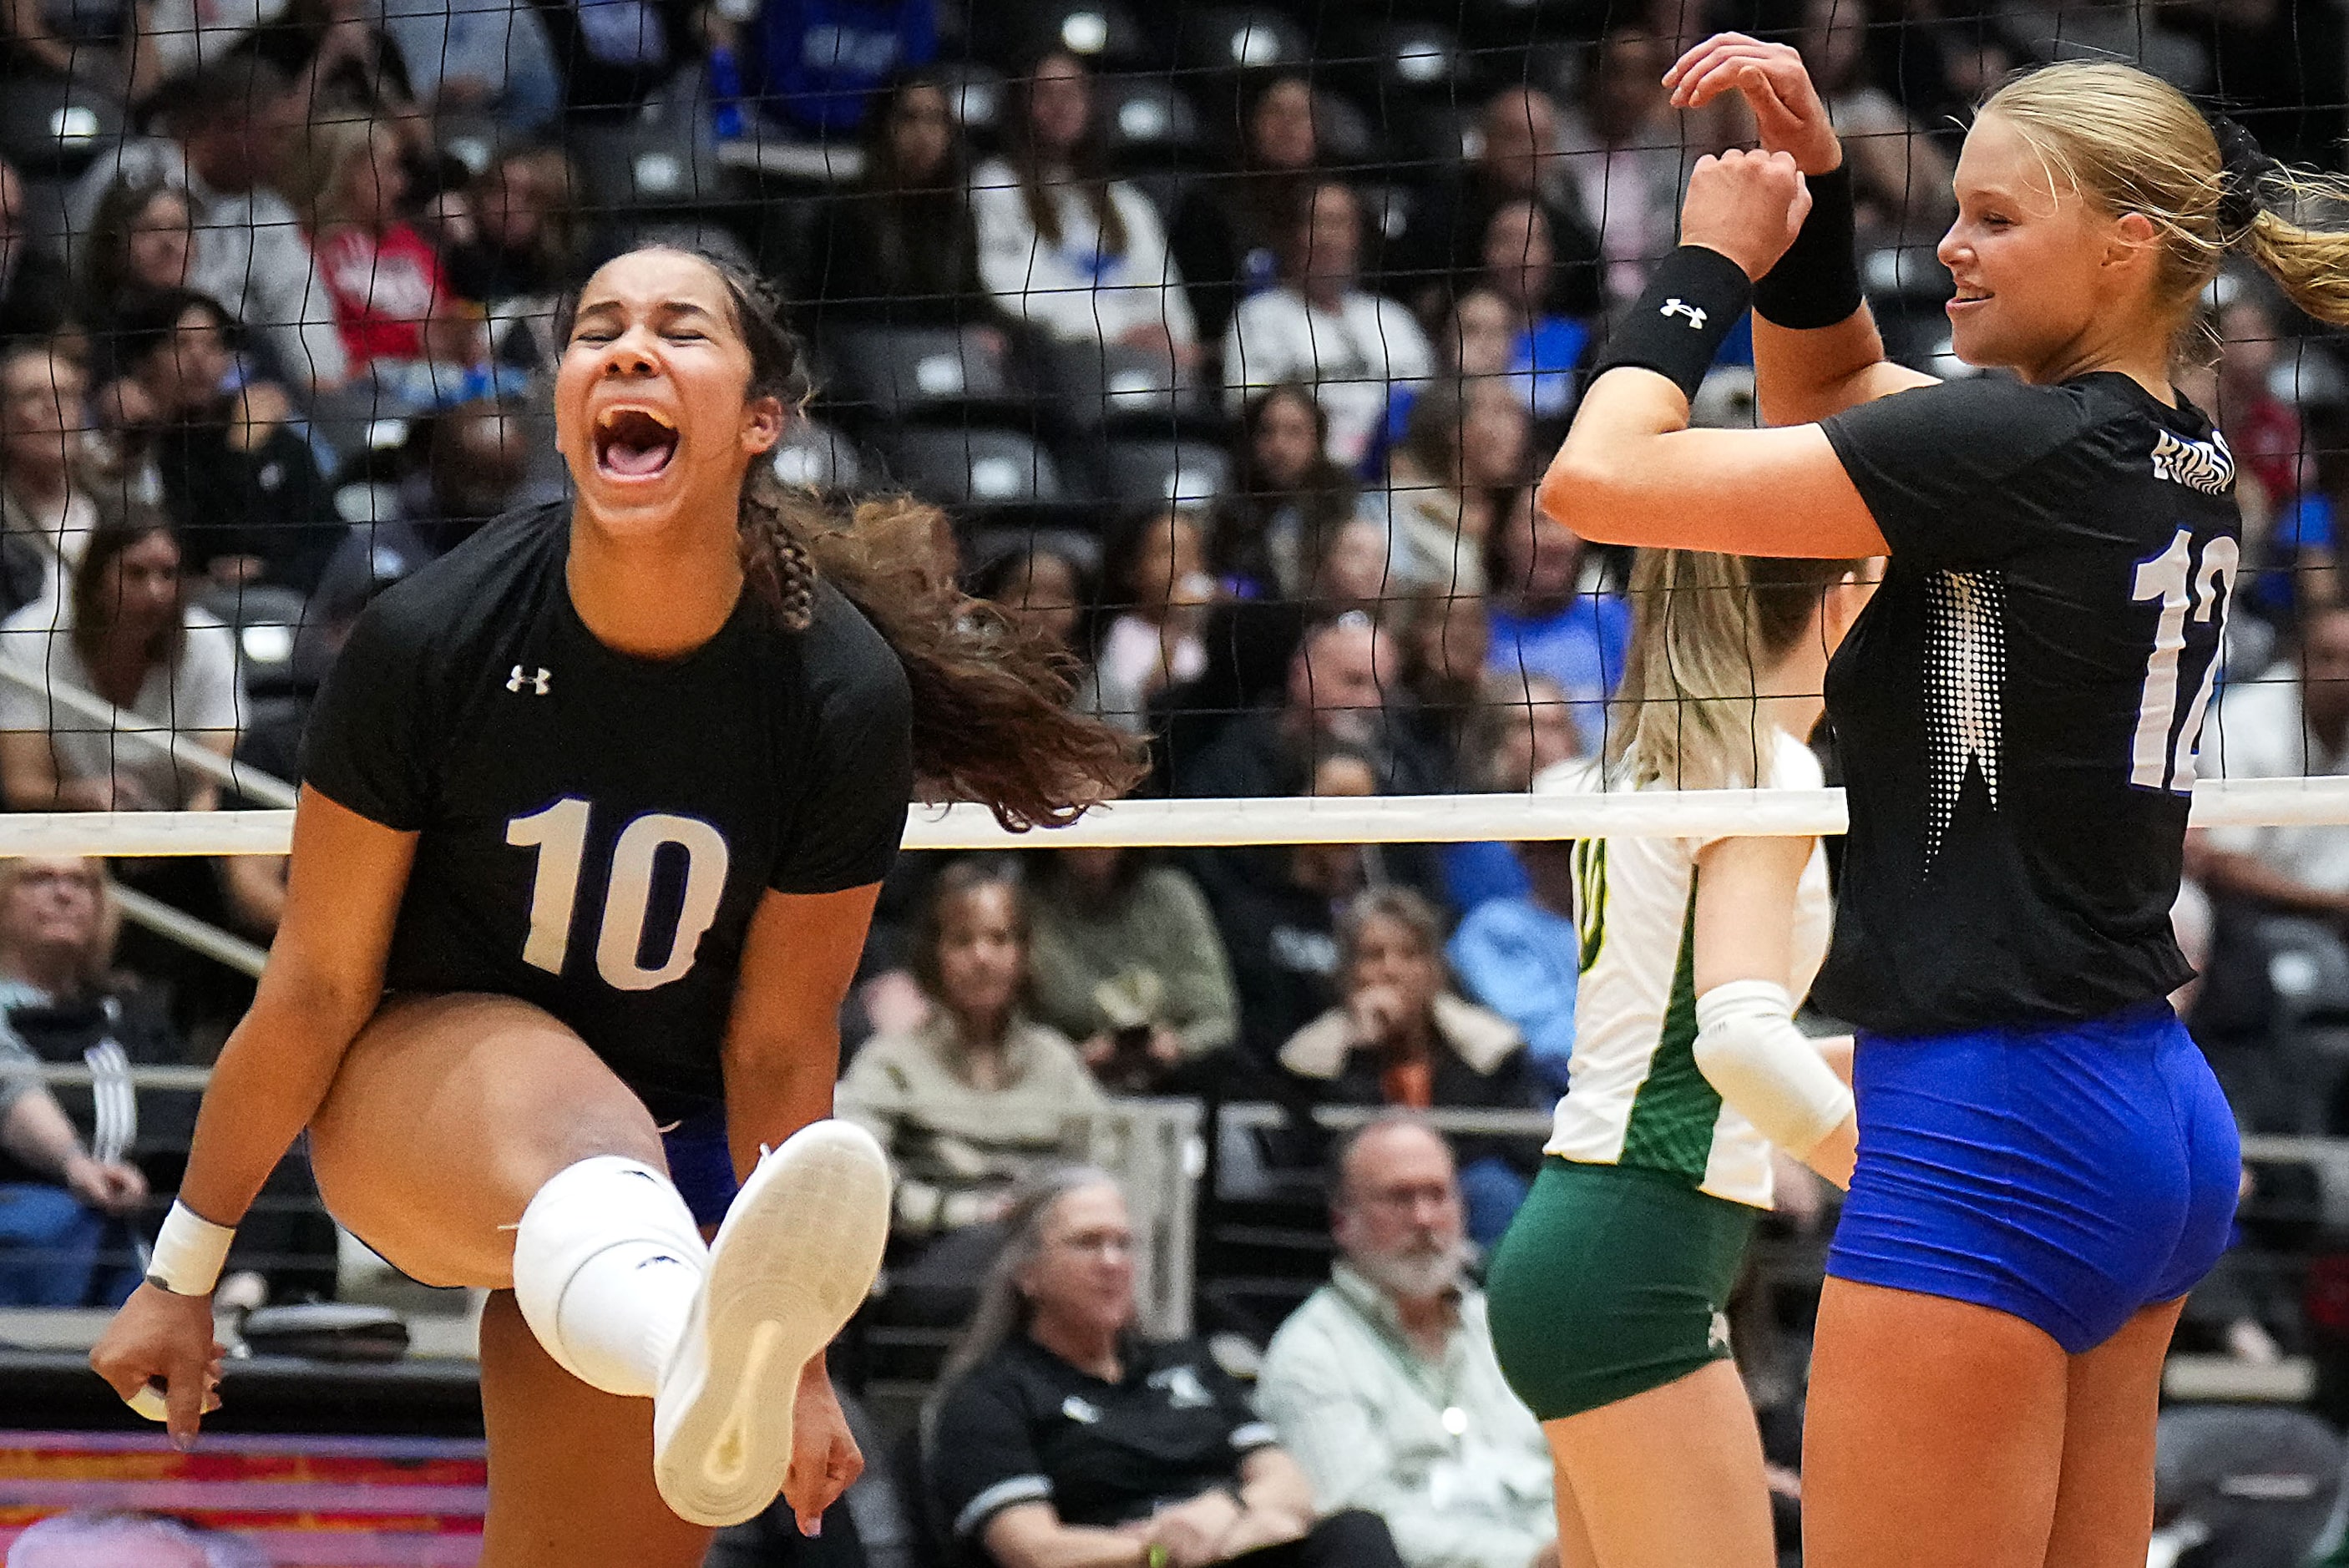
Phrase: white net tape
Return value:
(1179, 824)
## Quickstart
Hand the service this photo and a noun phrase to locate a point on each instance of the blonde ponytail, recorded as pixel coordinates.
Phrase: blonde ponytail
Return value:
(2130, 142)
(1703, 627)
(2310, 265)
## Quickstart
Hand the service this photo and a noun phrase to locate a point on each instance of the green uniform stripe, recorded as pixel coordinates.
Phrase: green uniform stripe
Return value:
(1672, 1117)
(1590, 897)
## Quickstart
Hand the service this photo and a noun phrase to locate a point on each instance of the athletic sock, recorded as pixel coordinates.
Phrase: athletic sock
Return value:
(606, 1262)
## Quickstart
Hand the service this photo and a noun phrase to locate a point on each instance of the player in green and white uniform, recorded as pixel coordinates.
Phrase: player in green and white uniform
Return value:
(1606, 1293)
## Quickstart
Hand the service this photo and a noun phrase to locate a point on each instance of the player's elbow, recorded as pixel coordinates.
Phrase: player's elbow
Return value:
(1583, 490)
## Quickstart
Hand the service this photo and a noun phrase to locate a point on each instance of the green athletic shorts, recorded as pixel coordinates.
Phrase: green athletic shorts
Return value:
(1610, 1281)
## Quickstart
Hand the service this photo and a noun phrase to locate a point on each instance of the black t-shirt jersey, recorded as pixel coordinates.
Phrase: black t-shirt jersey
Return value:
(1027, 1427)
(595, 831)
(2018, 708)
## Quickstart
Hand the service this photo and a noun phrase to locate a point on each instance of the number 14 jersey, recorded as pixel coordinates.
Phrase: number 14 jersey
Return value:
(2017, 710)
(595, 831)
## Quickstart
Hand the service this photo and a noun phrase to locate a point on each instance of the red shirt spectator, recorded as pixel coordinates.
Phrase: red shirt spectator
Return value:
(386, 287)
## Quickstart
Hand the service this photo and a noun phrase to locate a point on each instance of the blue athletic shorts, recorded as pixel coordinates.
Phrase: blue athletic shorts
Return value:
(2068, 1174)
(702, 1165)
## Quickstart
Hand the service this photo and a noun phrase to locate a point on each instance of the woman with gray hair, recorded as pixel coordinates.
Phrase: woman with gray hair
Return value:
(1064, 1437)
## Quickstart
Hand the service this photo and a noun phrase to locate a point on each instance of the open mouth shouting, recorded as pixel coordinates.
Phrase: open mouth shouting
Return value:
(634, 443)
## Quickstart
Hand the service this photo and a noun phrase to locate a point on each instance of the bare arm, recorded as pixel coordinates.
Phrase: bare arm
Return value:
(1745, 890)
(1275, 1487)
(1632, 472)
(1800, 377)
(30, 780)
(783, 1043)
(38, 1131)
(2248, 876)
(1031, 1535)
(345, 879)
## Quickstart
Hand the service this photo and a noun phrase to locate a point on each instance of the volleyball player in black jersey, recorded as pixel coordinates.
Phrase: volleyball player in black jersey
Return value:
(2045, 1165)
(587, 844)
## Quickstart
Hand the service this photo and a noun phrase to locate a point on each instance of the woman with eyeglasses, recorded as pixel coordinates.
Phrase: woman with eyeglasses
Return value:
(1063, 1437)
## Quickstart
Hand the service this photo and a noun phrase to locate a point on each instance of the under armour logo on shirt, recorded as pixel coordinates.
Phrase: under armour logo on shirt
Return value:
(537, 682)
(1677, 306)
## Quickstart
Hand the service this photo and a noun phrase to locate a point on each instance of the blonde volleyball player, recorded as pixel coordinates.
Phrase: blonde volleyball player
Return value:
(593, 814)
(2045, 1164)
(1608, 1292)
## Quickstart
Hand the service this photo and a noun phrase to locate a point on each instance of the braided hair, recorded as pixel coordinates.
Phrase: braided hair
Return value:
(992, 720)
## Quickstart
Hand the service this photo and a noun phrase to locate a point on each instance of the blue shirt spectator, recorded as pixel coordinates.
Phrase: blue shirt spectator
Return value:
(816, 61)
(1520, 956)
(1541, 622)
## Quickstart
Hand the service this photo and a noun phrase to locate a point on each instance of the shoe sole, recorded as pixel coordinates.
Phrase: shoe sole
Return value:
(794, 1260)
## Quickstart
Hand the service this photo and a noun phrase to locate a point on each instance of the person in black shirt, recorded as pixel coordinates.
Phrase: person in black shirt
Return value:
(1060, 1436)
(2045, 1164)
(594, 809)
(899, 248)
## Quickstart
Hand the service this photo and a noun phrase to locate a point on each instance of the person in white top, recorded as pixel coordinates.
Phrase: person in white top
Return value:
(2284, 726)
(1319, 327)
(1062, 246)
(1606, 1293)
(125, 634)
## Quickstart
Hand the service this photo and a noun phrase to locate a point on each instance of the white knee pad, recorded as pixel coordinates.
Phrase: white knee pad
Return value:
(584, 1211)
(1748, 1048)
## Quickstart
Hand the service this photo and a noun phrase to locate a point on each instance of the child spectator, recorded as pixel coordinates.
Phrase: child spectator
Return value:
(1129, 964)
(1043, 591)
(1065, 248)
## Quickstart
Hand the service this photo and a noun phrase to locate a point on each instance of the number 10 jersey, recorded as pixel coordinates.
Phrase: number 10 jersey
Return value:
(595, 831)
(2017, 711)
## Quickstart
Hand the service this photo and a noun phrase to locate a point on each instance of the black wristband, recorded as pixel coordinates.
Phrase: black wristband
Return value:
(1817, 281)
(1693, 298)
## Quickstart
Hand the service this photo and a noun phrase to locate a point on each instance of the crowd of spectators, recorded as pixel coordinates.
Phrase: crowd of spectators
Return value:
(1235, 378)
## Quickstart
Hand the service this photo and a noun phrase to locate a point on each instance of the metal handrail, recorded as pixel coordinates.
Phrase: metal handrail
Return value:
(140, 731)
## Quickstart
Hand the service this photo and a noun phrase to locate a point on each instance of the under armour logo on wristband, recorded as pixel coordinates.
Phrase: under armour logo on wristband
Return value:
(537, 682)
(1677, 306)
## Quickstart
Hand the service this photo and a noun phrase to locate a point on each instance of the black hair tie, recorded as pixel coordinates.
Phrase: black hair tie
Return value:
(2243, 167)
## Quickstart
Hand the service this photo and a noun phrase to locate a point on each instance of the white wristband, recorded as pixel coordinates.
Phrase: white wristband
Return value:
(189, 1253)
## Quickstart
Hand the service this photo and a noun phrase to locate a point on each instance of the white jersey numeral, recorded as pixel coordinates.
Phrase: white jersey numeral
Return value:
(2174, 579)
(559, 833)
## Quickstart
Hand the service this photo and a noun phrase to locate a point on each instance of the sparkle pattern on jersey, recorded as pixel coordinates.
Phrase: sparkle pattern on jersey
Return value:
(1965, 668)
